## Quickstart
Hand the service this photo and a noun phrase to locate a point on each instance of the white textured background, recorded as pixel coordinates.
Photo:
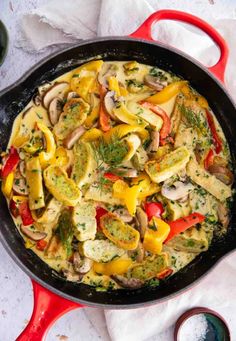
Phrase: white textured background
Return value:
(15, 288)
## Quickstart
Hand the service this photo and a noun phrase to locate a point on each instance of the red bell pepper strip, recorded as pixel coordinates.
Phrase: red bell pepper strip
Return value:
(153, 209)
(11, 162)
(25, 213)
(41, 245)
(165, 273)
(182, 224)
(104, 118)
(13, 208)
(216, 138)
(209, 159)
(100, 211)
(112, 177)
(166, 127)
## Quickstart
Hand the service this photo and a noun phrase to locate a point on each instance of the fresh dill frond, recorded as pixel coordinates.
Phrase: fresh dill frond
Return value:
(111, 152)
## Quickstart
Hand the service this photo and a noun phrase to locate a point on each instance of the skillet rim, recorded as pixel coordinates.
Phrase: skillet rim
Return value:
(5, 244)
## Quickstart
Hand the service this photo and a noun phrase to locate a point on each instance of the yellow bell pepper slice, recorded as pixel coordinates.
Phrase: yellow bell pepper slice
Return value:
(7, 184)
(131, 67)
(60, 186)
(121, 234)
(20, 140)
(35, 183)
(113, 85)
(167, 93)
(83, 86)
(94, 66)
(46, 156)
(19, 198)
(124, 115)
(116, 266)
(123, 91)
(122, 130)
(189, 94)
(60, 158)
(91, 135)
(155, 235)
(92, 116)
(147, 187)
(129, 195)
(133, 142)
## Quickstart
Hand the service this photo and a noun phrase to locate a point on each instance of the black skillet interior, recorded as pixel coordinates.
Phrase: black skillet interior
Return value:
(14, 100)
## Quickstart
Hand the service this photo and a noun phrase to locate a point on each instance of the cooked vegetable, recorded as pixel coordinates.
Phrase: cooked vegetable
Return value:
(33, 234)
(182, 224)
(10, 163)
(216, 138)
(222, 173)
(155, 235)
(25, 213)
(121, 234)
(35, 183)
(101, 250)
(60, 186)
(116, 266)
(118, 174)
(166, 126)
(171, 164)
(153, 209)
(7, 184)
(46, 156)
(167, 93)
(71, 139)
(56, 90)
(176, 190)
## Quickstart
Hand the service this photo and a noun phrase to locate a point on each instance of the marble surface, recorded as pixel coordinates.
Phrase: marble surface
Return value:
(15, 287)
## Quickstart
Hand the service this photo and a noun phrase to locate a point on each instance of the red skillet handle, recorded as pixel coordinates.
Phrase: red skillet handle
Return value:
(48, 307)
(144, 31)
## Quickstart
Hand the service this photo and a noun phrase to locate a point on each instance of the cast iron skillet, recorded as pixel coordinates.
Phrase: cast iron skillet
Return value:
(46, 283)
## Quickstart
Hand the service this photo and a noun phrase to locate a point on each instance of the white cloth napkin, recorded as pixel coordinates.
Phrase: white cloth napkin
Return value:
(78, 19)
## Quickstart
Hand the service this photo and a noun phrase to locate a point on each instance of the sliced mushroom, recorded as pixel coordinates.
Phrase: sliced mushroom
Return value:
(137, 254)
(127, 172)
(128, 283)
(154, 82)
(142, 221)
(223, 215)
(55, 109)
(26, 111)
(177, 190)
(36, 99)
(57, 90)
(72, 276)
(32, 234)
(43, 88)
(222, 173)
(154, 145)
(22, 168)
(109, 102)
(106, 71)
(80, 265)
(72, 94)
(70, 140)
(123, 214)
(20, 186)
